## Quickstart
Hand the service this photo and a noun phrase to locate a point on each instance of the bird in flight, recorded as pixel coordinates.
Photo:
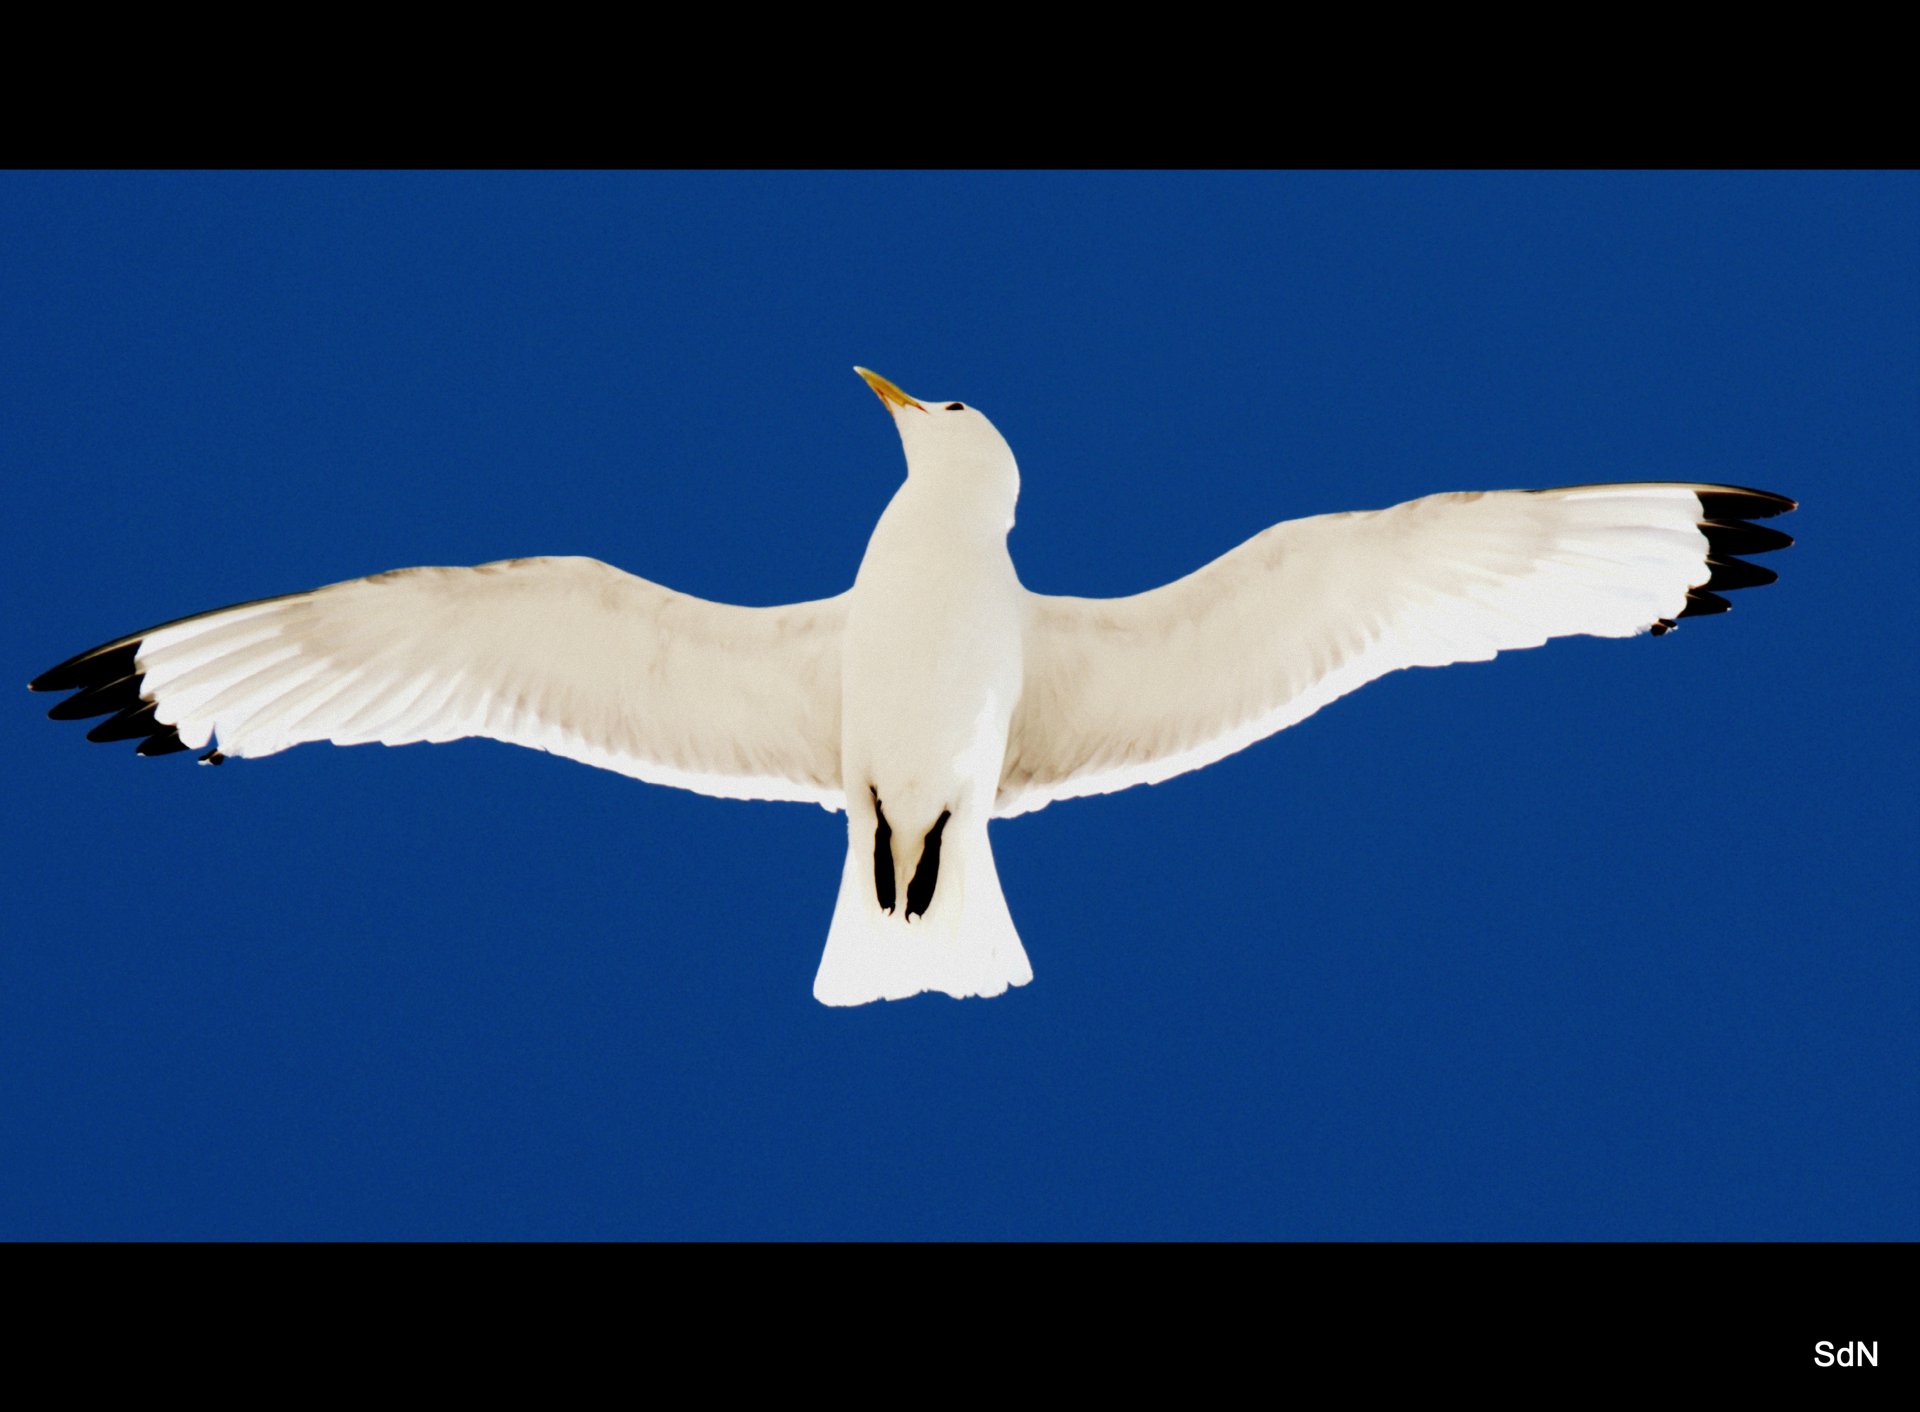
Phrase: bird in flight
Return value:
(937, 693)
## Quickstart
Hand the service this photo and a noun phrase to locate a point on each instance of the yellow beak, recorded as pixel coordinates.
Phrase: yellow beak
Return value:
(887, 392)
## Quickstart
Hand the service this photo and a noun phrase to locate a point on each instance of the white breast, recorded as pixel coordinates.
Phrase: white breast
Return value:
(932, 663)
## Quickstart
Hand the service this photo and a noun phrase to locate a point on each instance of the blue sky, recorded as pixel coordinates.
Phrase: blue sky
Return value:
(1605, 940)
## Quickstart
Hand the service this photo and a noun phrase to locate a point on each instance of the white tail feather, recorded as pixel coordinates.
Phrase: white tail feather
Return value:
(963, 944)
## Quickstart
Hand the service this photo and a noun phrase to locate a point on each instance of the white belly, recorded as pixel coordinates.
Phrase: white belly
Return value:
(933, 653)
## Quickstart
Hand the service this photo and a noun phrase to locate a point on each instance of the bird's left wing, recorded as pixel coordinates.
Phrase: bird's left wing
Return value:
(1127, 691)
(567, 655)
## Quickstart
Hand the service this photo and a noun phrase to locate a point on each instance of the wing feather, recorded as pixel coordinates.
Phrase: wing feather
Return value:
(1128, 691)
(567, 655)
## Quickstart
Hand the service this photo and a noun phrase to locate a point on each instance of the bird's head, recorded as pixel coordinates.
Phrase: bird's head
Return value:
(952, 446)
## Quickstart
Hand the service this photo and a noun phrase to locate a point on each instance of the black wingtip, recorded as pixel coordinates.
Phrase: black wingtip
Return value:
(1724, 514)
(134, 723)
(1730, 574)
(1737, 502)
(107, 681)
(1701, 603)
(1725, 538)
(94, 667)
(102, 700)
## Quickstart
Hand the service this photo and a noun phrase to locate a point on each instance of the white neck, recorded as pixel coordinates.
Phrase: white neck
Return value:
(966, 499)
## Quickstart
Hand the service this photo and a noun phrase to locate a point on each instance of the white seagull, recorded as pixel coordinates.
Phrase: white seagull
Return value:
(936, 693)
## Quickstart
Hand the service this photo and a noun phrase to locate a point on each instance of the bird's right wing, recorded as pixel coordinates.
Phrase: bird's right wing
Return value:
(567, 655)
(1127, 691)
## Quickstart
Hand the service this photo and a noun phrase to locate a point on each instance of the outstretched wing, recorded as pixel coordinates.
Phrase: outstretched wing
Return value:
(1127, 691)
(568, 655)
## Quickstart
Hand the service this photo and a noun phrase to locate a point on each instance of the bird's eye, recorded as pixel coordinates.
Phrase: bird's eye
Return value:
(956, 406)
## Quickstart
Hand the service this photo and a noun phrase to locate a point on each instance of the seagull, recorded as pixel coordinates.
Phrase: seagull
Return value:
(936, 693)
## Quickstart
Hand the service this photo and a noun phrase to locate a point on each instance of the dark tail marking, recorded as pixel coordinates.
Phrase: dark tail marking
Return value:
(920, 890)
(882, 855)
